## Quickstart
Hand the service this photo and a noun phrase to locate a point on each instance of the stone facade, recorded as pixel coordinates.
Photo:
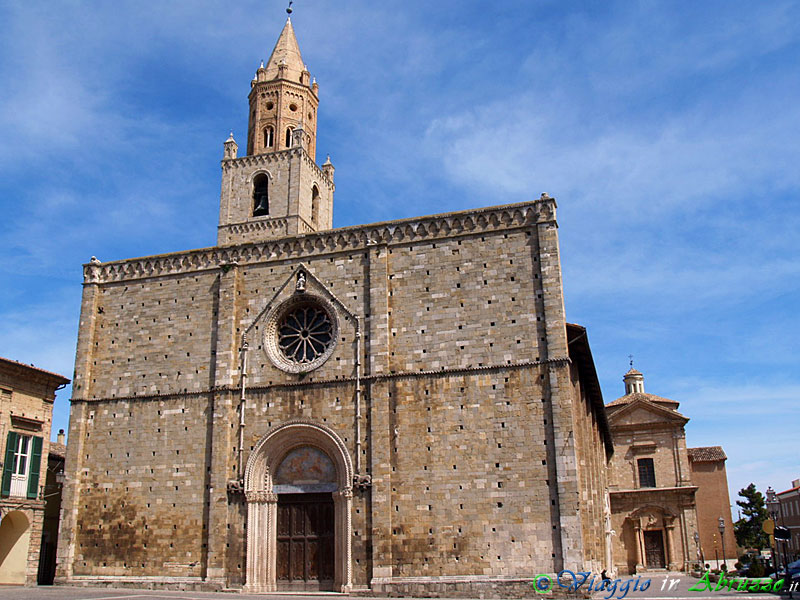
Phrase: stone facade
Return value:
(651, 488)
(713, 501)
(428, 359)
(27, 394)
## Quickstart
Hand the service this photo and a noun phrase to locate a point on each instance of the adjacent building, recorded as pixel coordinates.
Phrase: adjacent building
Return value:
(789, 517)
(717, 542)
(666, 499)
(398, 407)
(27, 394)
(651, 488)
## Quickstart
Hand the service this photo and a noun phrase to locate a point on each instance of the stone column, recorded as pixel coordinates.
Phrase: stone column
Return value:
(262, 513)
(669, 534)
(343, 532)
(638, 545)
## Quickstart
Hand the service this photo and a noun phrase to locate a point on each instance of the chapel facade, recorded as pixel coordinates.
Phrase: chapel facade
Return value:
(651, 489)
(398, 407)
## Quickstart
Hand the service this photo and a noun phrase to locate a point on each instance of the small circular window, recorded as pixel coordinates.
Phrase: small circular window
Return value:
(293, 107)
(301, 333)
(270, 105)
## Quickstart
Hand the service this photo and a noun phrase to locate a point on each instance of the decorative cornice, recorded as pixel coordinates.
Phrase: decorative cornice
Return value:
(654, 490)
(231, 389)
(271, 225)
(418, 229)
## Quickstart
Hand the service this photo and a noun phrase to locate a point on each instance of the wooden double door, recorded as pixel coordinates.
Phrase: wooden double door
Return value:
(654, 550)
(305, 542)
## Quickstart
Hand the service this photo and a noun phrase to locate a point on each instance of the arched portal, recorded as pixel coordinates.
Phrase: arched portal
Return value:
(293, 461)
(15, 534)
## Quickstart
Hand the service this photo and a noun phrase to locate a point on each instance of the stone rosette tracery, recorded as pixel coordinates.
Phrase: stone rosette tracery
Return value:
(301, 333)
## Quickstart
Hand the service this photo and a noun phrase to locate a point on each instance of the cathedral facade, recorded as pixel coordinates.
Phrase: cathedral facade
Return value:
(399, 407)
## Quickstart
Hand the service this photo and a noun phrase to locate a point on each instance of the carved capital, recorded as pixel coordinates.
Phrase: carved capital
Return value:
(261, 497)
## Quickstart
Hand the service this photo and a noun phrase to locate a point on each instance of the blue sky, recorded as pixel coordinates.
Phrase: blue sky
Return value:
(669, 132)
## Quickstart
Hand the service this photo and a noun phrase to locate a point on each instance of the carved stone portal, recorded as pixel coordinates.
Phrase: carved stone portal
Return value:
(300, 441)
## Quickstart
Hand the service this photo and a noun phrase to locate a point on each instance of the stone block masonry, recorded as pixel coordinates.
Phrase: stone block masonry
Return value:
(460, 366)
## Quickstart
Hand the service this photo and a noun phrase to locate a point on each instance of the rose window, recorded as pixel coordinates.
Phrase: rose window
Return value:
(301, 333)
(305, 333)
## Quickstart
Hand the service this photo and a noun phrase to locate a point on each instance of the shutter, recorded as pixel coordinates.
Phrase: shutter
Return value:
(36, 463)
(11, 442)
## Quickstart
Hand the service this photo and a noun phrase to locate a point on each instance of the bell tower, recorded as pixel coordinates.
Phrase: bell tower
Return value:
(282, 99)
(277, 189)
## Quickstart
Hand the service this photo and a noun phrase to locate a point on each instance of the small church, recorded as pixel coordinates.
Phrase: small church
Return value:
(394, 408)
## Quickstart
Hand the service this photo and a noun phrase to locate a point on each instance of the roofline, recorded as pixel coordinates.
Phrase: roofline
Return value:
(391, 224)
(57, 378)
(790, 490)
(579, 344)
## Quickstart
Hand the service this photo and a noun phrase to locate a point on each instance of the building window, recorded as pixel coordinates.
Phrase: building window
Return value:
(647, 472)
(289, 131)
(21, 467)
(314, 204)
(260, 195)
(304, 333)
(301, 333)
(269, 137)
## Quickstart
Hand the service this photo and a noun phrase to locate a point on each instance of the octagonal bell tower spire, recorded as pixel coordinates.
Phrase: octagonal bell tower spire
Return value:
(282, 99)
(277, 189)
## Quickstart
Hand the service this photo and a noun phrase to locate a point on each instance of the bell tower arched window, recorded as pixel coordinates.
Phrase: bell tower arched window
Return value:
(269, 137)
(260, 195)
(289, 131)
(314, 204)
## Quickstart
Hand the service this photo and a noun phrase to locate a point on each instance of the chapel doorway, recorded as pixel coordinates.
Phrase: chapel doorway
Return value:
(305, 542)
(654, 550)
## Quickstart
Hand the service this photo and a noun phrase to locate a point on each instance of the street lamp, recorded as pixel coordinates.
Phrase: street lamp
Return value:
(773, 507)
(722, 537)
(699, 550)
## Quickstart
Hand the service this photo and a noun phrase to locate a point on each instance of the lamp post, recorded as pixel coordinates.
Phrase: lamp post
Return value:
(699, 550)
(773, 507)
(722, 537)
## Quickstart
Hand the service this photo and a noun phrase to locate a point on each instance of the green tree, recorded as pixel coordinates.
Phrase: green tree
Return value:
(748, 529)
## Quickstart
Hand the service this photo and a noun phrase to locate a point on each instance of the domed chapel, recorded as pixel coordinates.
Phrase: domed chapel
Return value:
(398, 407)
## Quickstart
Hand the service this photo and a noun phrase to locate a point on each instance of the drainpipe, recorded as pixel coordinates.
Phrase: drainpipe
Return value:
(358, 396)
(242, 405)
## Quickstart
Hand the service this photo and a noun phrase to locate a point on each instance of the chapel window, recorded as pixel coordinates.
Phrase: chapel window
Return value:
(647, 473)
(289, 131)
(260, 195)
(269, 137)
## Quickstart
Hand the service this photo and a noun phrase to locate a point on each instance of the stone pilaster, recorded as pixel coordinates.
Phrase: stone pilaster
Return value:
(558, 388)
(377, 326)
(219, 433)
(81, 390)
